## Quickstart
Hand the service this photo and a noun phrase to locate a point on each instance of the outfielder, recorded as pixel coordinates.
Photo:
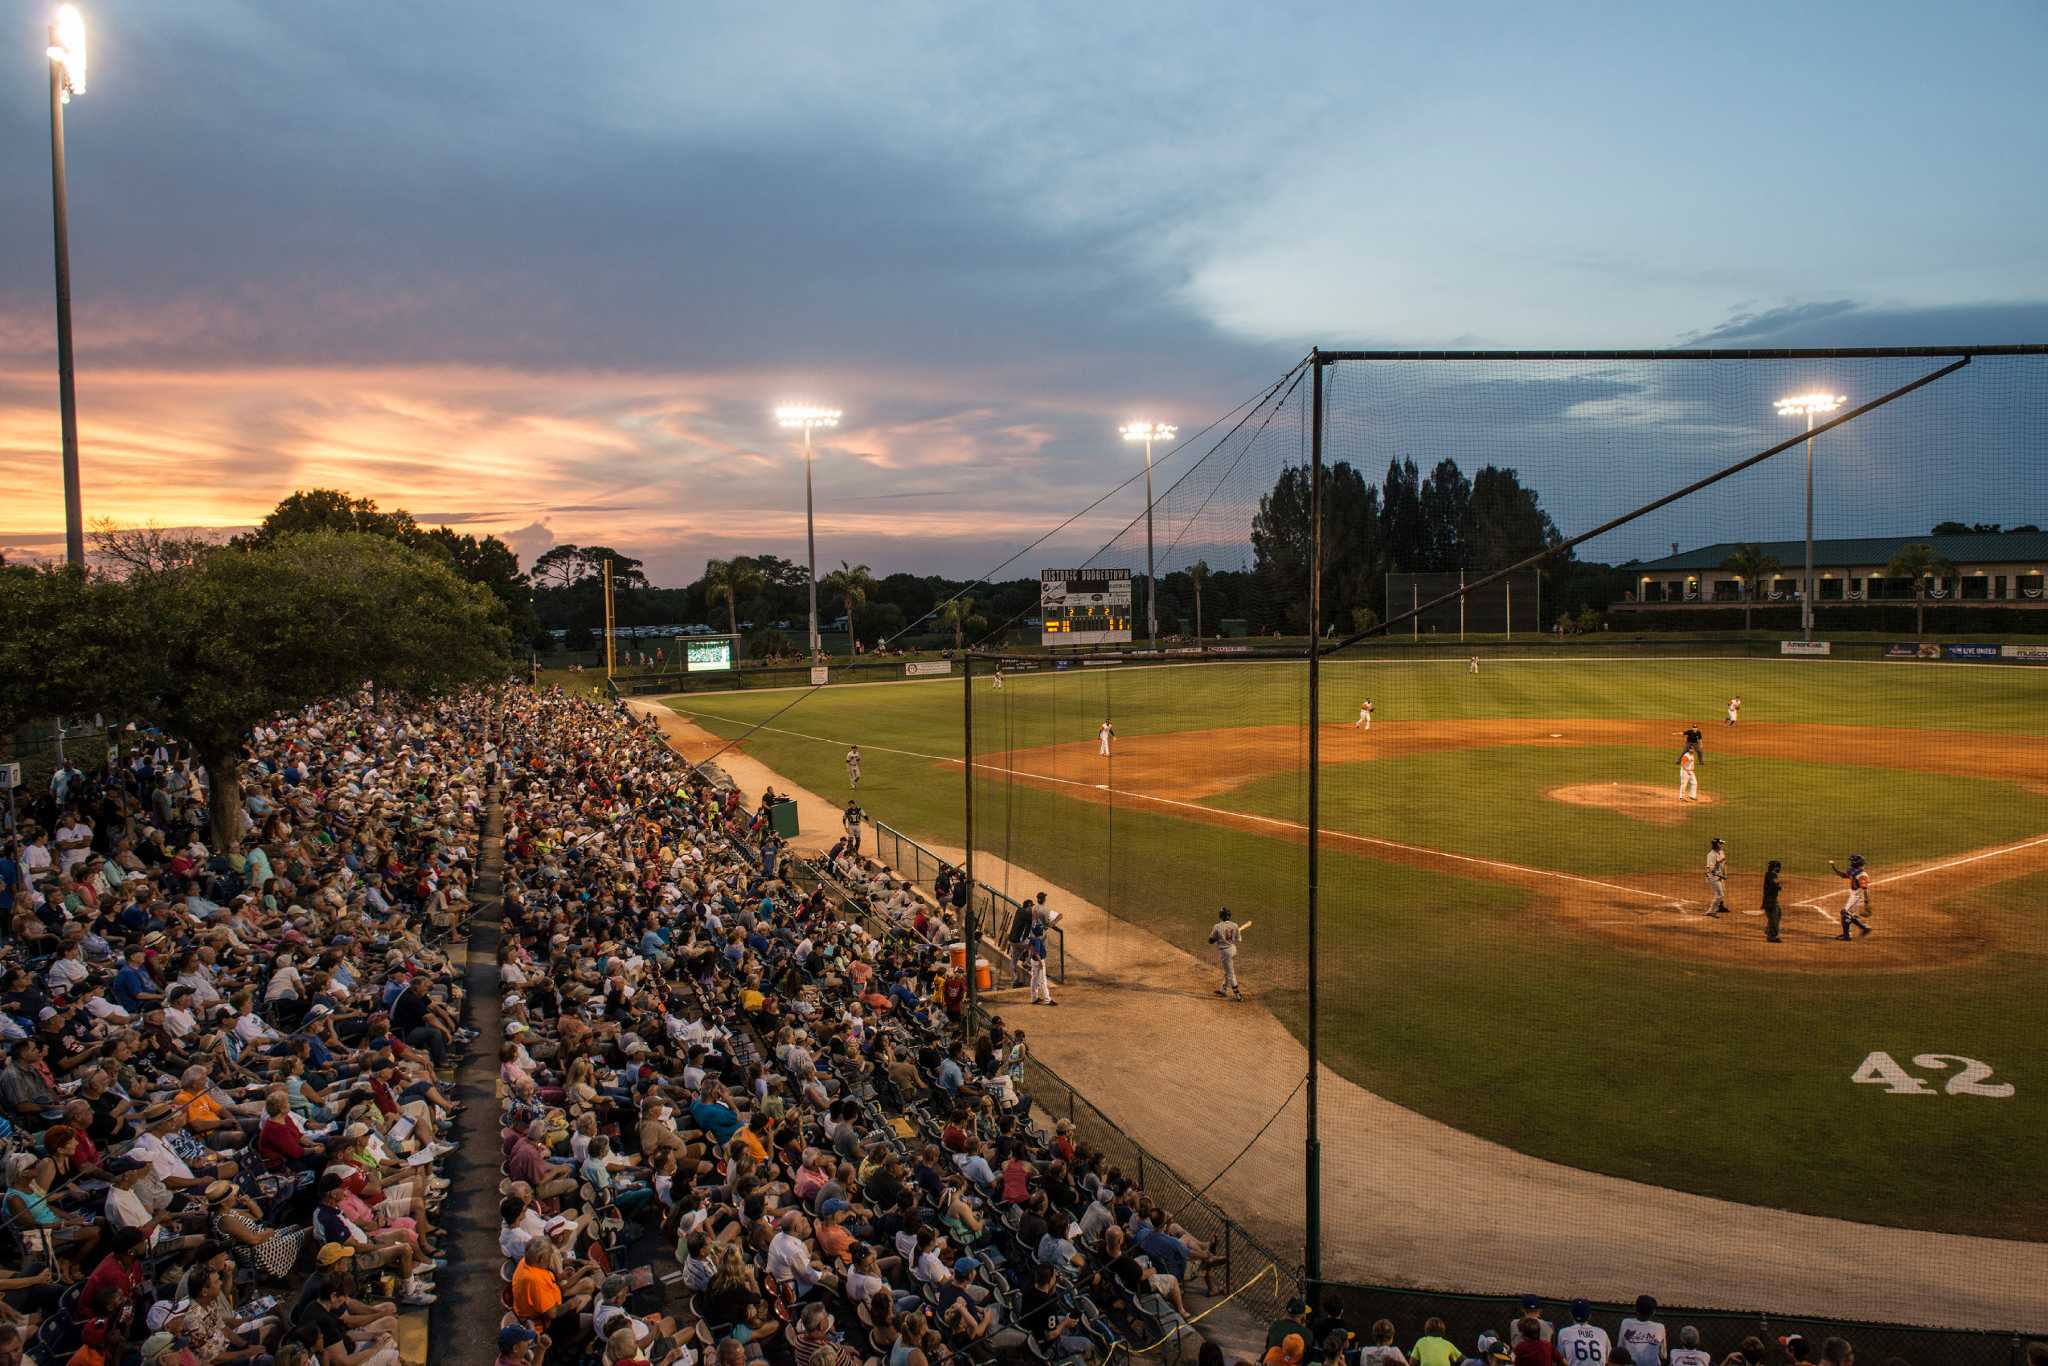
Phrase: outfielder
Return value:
(1717, 876)
(1734, 706)
(1473, 667)
(1688, 778)
(1856, 906)
(1364, 721)
(853, 767)
(998, 680)
(1105, 735)
(1225, 934)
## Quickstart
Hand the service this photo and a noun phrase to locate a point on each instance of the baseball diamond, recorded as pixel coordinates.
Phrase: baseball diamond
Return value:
(1523, 958)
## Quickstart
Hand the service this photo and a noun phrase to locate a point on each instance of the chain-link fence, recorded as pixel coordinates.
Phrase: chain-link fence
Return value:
(1241, 1260)
(994, 912)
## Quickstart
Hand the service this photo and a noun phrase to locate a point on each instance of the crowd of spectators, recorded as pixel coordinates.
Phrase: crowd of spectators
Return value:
(712, 1053)
(220, 1113)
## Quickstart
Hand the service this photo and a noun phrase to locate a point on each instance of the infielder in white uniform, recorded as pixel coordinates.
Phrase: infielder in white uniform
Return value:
(1734, 706)
(853, 767)
(1225, 935)
(1105, 735)
(1364, 721)
(1688, 778)
(1717, 877)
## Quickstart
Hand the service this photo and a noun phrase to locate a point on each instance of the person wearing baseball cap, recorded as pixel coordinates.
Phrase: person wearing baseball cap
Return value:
(516, 1344)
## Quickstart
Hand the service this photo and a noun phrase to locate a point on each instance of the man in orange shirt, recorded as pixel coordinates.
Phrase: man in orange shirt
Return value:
(538, 1296)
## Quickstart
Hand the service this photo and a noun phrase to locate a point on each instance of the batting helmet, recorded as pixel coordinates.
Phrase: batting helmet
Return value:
(1717, 838)
(1855, 860)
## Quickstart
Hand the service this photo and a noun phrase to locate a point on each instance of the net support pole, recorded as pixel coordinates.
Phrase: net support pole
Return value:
(967, 925)
(608, 619)
(1511, 609)
(1461, 607)
(1312, 1175)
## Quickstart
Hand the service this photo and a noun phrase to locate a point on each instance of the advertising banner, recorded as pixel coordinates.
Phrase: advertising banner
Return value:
(928, 668)
(1805, 647)
(2034, 654)
(1969, 652)
(1909, 650)
(820, 675)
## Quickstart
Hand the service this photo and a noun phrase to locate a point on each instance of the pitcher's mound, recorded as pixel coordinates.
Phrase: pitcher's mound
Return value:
(1638, 801)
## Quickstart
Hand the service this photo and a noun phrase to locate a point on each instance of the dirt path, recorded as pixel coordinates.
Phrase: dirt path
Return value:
(1410, 1201)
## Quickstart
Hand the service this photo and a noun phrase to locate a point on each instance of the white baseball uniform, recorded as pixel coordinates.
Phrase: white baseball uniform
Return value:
(1691, 1356)
(1717, 877)
(1734, 706)
(1688, 780)
(1364, 720)
(853, 768)
(1473, 668)
(999, 680)
(1584, 1344)
(1104, 735)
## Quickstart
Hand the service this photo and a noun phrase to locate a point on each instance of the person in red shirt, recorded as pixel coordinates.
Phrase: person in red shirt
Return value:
(279, 1142)
(1530, 1348)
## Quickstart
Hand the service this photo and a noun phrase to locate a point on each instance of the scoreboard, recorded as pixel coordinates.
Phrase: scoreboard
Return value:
(1085, 606)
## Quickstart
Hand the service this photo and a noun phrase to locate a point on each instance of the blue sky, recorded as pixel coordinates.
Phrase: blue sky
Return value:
(546, 273)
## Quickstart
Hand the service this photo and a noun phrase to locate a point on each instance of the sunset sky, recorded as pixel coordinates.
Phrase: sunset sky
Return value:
(545, 269)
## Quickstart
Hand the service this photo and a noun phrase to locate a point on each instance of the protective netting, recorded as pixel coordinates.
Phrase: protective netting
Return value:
(1553, 1064)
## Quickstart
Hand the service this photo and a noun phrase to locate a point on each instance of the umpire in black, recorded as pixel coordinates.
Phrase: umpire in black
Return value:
(1774, 887)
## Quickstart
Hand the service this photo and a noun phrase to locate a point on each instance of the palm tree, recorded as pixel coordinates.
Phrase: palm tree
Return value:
(1918, 562)
(728, 579)
(1197, 572)
(1750, 564)
(956, 613)
(851, 582)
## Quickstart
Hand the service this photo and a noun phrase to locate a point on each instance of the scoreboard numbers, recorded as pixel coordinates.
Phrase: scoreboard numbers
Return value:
(1084, 606)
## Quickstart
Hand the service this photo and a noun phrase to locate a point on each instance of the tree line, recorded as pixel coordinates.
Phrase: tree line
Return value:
(1407, 522)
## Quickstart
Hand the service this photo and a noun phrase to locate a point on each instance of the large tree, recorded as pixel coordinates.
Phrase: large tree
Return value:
(1919, 562)
(1354, 555)
(729, 579)
(851, 584)
(1446, 499)
(1404, 528)
(1751, 565)
(956, 613)
(209, 649)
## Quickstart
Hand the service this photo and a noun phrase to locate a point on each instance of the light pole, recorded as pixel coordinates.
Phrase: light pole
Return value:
(1148, 432)
(807, 416)
(1811, 405)
(67, 78)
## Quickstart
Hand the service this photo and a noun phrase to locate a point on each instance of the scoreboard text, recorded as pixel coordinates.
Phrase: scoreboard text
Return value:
(1085, 606)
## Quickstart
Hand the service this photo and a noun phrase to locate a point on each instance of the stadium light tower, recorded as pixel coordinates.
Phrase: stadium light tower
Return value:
(67, 78)
(1149, 432)
(807, 416)
(1811, 405)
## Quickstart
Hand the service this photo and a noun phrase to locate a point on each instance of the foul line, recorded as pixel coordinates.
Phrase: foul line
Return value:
(1942, 867)
(1225, 812)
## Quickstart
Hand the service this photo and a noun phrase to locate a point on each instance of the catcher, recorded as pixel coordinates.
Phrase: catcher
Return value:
(1856, 907)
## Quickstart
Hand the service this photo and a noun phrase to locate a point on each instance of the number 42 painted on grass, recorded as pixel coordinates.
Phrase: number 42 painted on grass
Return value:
(1879, 1070)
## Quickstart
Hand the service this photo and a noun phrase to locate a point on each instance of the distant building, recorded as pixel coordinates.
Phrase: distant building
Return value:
(2002, 568)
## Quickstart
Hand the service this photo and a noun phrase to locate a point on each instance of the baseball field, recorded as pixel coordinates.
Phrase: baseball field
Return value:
(1515, 938)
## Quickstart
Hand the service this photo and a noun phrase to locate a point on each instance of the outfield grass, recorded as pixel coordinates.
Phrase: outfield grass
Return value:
(1460, 998)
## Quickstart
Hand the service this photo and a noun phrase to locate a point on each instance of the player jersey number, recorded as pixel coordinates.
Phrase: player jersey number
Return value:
(1587, 1349)
(1880, 1069)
